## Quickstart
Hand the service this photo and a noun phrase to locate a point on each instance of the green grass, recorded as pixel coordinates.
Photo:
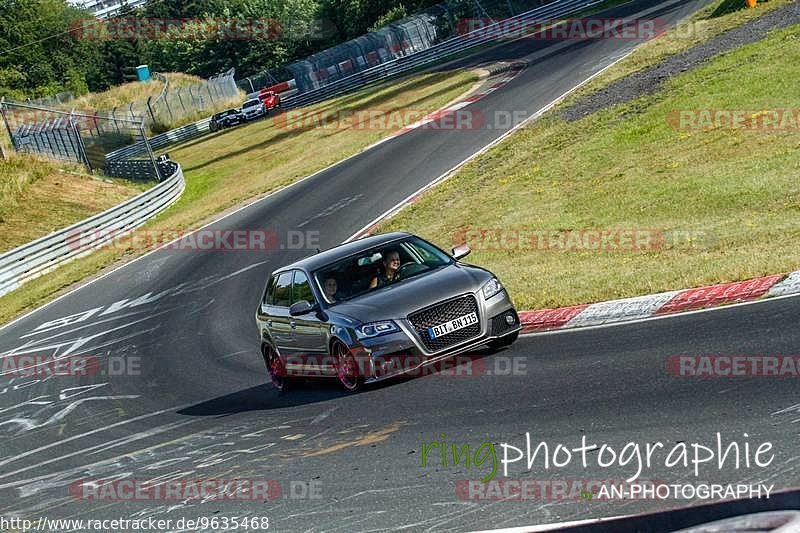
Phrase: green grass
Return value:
(735, 193)
(226, 169)
(38, 197)
(126, 93)
(708, 22)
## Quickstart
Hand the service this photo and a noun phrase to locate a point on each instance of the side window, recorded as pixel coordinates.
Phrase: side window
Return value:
(301, 290)
(283, 290)
(269, 293)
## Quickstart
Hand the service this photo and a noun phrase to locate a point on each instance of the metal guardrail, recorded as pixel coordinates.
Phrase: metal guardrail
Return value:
(189, 131)
(461, 43)
(436, 53)
(38, 257)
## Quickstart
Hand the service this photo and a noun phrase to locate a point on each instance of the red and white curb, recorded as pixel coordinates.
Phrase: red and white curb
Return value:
(663, 303)
(499, 75)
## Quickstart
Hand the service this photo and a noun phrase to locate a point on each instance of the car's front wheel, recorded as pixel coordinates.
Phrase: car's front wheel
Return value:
(346, 367)
(276, 369)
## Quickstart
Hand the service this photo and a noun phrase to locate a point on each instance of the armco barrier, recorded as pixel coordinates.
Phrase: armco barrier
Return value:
(161, 140)
(400, 65)
(42, 255)
(455, 45)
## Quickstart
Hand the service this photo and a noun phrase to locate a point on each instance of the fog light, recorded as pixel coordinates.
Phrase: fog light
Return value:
(510, 319)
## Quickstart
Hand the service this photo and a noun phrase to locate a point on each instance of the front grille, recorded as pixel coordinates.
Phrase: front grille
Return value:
(499, 325)
(442, 312)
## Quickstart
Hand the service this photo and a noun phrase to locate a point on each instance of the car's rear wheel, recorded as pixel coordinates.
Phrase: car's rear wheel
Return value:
(346, 367)
(276, 369)
(502, 342)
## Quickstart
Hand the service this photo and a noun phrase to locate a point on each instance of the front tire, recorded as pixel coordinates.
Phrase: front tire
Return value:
(346, 367)
(276, 370)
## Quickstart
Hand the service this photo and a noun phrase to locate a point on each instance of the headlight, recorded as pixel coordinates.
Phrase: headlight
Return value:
(374, 329)
(491, 287)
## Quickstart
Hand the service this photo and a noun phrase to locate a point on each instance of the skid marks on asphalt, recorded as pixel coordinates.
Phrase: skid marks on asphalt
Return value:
(36, 396)
(371, 437)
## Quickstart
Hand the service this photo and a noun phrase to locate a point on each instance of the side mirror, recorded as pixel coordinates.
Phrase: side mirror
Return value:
(300, 308)
(460, 251)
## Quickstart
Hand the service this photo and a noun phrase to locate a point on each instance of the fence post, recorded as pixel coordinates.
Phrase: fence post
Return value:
(166, 103)
(150, 151)
(8, 127)
(178, 94)
(80, 143)
(149, 108)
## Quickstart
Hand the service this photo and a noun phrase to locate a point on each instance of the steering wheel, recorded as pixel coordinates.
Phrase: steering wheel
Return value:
(410, 268)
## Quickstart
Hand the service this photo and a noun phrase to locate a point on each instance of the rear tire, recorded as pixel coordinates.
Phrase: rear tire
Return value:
(276, 370)
(503, 342)
(346, 367)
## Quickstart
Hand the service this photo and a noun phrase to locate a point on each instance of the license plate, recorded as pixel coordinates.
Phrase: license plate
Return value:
(453, 325)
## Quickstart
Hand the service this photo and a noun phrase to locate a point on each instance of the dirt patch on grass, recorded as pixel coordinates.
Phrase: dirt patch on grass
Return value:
(651, 79)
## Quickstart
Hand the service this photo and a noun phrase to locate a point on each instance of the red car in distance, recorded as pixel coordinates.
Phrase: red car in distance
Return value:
(271, 99)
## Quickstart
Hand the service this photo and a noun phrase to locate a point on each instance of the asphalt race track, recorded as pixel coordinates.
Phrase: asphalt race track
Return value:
(188, 398)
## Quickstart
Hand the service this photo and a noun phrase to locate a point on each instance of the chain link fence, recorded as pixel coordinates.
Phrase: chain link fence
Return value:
(405, 37)
(176, 106)
(84, 137)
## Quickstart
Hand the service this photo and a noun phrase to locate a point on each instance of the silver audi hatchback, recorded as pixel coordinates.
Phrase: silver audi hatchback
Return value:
(376, 308)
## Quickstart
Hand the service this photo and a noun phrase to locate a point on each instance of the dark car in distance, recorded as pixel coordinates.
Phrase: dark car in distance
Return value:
(225, 119)
(338, 314)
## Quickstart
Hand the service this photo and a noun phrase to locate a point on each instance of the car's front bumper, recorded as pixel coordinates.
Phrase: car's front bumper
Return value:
(403, 352)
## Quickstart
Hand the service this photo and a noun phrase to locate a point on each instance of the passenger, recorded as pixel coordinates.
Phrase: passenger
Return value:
(331, 289)
(391, 265)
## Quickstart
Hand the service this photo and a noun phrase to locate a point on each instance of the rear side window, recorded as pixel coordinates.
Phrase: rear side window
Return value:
(269, 293)
(282, 294)
(301, 290)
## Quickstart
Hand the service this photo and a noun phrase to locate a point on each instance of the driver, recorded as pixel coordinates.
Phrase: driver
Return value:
(391, 265)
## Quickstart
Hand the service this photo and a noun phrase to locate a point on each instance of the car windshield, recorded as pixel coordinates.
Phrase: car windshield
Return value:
(377, 267)
(251, 103)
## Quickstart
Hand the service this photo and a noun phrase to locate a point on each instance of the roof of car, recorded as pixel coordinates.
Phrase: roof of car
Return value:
(331, 255)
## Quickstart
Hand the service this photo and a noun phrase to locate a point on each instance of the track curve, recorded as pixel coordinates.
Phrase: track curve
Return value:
(199, 405)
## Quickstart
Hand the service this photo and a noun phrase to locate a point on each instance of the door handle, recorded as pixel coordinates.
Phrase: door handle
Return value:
(269, 323)
(292, 324)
